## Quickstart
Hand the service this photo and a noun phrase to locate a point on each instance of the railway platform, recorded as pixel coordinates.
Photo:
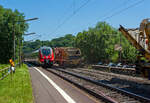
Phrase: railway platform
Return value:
(48, 88)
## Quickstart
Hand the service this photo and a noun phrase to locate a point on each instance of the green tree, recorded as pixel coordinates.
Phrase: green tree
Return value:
(97, 44)
(66, 41)
(8, 27)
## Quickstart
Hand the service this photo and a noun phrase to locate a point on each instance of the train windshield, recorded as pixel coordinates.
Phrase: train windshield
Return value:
(46, 52)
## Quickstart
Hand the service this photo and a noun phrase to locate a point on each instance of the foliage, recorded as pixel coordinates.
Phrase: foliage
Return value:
(97, 44)
(9, 26)
(18, 89)
(2, 66)
(66, 41)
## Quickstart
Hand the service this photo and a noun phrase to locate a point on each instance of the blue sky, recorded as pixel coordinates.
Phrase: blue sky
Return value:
(52, 13)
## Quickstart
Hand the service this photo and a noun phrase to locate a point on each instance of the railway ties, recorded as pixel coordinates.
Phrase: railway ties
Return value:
(115, 95)
(118, 70)
(94, 94)
(51, 88)
(116, 80)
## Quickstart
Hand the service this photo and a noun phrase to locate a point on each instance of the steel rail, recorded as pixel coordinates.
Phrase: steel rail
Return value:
(101, 96)
(118, 70)
(132, 95)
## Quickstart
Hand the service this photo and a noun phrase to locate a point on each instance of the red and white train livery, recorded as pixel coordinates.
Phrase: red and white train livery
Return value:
(46, 56)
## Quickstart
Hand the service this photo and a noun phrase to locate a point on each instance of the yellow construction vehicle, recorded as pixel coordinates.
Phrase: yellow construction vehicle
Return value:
(140, 39)
(67, 56)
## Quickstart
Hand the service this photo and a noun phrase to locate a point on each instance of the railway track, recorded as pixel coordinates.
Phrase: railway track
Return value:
(135, 85)
(118, 70)
(98, 89)
(99, 75)
(73, 80)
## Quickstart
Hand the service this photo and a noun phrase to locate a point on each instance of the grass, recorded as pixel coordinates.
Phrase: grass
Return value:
(2, 66)
(16, 88)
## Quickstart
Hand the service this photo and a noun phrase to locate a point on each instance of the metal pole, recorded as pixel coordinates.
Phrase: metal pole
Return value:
(19, 52)
(19, 47)
(20, 41)
(14, 42)
(120, 46)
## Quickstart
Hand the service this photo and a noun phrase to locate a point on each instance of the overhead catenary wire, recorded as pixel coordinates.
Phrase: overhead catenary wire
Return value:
(105, 17)
(69, 17)
(113, 9)
(66, 11)
(35, 38)
(124, 9)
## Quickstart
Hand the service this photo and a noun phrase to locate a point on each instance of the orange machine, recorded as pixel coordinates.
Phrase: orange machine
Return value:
(11, 62)
(67, 56)
(140, 39)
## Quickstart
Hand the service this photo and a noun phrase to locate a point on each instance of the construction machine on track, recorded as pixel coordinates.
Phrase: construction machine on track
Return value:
(67, 56)
(140, 39)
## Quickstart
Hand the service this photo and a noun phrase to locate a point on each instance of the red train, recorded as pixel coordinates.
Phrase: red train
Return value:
(64, 56)
(46, 56)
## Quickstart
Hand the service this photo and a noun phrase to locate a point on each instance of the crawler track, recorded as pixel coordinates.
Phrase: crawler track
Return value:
(100, 90)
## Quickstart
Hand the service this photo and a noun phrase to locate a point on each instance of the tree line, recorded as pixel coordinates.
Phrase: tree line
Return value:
(9, 26)
(66, 41)
(96, 44)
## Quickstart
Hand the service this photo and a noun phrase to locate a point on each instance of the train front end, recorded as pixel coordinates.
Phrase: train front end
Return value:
(46, 56)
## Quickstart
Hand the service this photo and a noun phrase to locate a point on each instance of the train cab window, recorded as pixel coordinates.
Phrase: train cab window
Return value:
(77, 52)
(46, 52)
